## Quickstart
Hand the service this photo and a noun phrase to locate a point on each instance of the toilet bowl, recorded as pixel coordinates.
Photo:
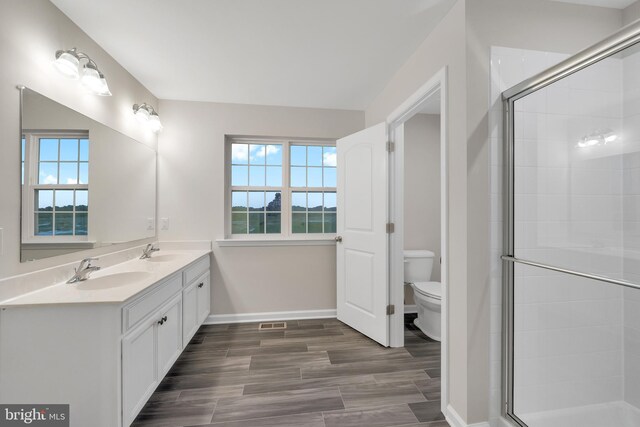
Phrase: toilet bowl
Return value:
(428, 299)
(427, 295)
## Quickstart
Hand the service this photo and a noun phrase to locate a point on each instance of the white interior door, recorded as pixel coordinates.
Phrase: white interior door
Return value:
(362, 264)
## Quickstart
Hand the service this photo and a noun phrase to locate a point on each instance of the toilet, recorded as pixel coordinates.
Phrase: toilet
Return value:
(427, 295)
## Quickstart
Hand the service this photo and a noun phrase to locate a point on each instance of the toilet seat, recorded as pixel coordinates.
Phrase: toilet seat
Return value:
(429, 289)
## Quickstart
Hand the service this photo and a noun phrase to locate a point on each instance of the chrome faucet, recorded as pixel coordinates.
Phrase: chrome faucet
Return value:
(148, 251)
(84, 270)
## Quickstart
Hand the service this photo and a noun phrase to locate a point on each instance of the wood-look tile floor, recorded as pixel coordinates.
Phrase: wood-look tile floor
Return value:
(315, 373)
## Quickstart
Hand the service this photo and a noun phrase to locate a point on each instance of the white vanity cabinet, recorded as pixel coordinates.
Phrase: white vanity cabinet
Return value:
(103, 359)
(196, 301)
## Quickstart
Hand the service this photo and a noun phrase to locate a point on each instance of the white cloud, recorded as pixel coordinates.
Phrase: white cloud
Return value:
(72, 181)
(240, 152)
(50, 179)
(329, 159)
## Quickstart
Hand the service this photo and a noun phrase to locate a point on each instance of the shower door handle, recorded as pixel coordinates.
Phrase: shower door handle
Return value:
(338, 239)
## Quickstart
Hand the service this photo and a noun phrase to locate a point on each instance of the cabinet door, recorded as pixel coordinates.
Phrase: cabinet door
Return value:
(190, 322)
(169, 335)
(204, 298)
(139, 374)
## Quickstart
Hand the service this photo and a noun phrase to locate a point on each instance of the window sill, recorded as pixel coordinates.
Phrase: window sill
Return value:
(275, 242)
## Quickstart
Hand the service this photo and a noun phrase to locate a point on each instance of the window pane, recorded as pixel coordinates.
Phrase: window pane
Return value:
(84, 173)
(69, 149)
(257, 154)
(84, 150)
(64, 200)
(273, 223)
(274, 176)
(298, 177)
(274, 155)
(298, 155)
(314, 202)
(256, 176)
(329, 156)
(329, 223)
(239, 176)
(48, 149)
(82, 222)
(43, 224)
(299, 222)
(314, 155)
(315, 222)
(238, 223)
(48, 173)
(64, 224)
(298, 201)
(82, 200)
(329, 201)
(239, 154)
(274, 202)
(239, 201)
(44, 200)
(330, 177)
(315, 177)
(68, 173)
(256, 200)
(256, 223)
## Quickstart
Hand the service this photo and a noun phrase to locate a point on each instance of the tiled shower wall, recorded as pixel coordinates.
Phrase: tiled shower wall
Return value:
(574, 207)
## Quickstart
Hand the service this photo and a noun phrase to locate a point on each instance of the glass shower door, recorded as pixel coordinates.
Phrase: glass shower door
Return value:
(572, 263)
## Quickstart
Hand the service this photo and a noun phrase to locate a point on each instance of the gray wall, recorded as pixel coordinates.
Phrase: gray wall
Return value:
(192, 190)
(30, 33)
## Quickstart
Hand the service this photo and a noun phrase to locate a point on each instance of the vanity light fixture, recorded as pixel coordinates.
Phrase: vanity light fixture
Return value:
(76, 65)
(600, 137)
(146, 114)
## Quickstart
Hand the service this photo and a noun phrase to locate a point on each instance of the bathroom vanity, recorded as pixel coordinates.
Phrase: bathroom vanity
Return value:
(103, 345)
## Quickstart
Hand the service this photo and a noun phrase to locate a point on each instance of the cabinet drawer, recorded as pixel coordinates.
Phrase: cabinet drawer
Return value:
(196, 269)
(151, 301)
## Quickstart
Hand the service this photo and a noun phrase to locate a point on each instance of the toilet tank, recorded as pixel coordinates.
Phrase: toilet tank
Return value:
(418, 266)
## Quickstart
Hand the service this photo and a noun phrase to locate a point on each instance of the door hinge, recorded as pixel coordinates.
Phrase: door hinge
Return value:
(391, 147)
(391, 227)
(391, 309)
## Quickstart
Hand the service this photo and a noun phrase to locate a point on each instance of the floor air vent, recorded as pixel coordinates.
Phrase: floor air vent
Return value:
(272, 325)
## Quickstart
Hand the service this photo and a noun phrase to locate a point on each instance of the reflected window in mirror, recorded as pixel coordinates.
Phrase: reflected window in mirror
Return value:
(55, 186)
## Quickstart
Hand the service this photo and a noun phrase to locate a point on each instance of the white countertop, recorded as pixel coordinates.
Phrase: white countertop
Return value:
(148, 274)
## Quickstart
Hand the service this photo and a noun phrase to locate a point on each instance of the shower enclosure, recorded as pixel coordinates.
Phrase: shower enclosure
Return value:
(571, 264)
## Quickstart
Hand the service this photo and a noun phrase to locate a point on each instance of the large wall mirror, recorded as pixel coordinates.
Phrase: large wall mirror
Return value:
(84, 185)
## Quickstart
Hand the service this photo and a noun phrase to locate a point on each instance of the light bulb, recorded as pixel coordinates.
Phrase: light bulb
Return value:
(154, 122)
(611, 138)
(91, 79)
(67, 64)
(142, 114)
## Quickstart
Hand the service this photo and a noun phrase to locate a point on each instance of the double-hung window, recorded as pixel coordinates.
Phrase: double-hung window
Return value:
(55, 177)
(281, 188)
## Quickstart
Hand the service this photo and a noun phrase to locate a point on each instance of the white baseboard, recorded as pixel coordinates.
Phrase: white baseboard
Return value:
(410, 309)
(455, 420)
(214, 319)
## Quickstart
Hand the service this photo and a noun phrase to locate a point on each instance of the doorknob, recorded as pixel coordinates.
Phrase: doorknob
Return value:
(338, 239)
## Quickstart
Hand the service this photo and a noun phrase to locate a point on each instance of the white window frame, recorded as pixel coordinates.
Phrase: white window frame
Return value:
(30, 185)
(285, 234)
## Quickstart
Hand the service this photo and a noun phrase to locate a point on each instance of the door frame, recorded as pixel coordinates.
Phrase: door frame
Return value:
(398, 117)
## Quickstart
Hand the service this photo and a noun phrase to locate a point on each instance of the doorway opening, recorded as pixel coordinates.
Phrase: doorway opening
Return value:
(418, 203)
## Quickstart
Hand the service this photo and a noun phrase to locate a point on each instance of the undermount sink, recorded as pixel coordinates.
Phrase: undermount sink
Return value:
(165, 258)
(114, 280)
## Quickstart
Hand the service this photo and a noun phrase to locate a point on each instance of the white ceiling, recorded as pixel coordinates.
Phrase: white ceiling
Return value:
(615, 4)
(304, 53)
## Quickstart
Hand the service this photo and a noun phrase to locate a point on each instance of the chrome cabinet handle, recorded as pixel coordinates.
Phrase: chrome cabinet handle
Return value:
(338, 239)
